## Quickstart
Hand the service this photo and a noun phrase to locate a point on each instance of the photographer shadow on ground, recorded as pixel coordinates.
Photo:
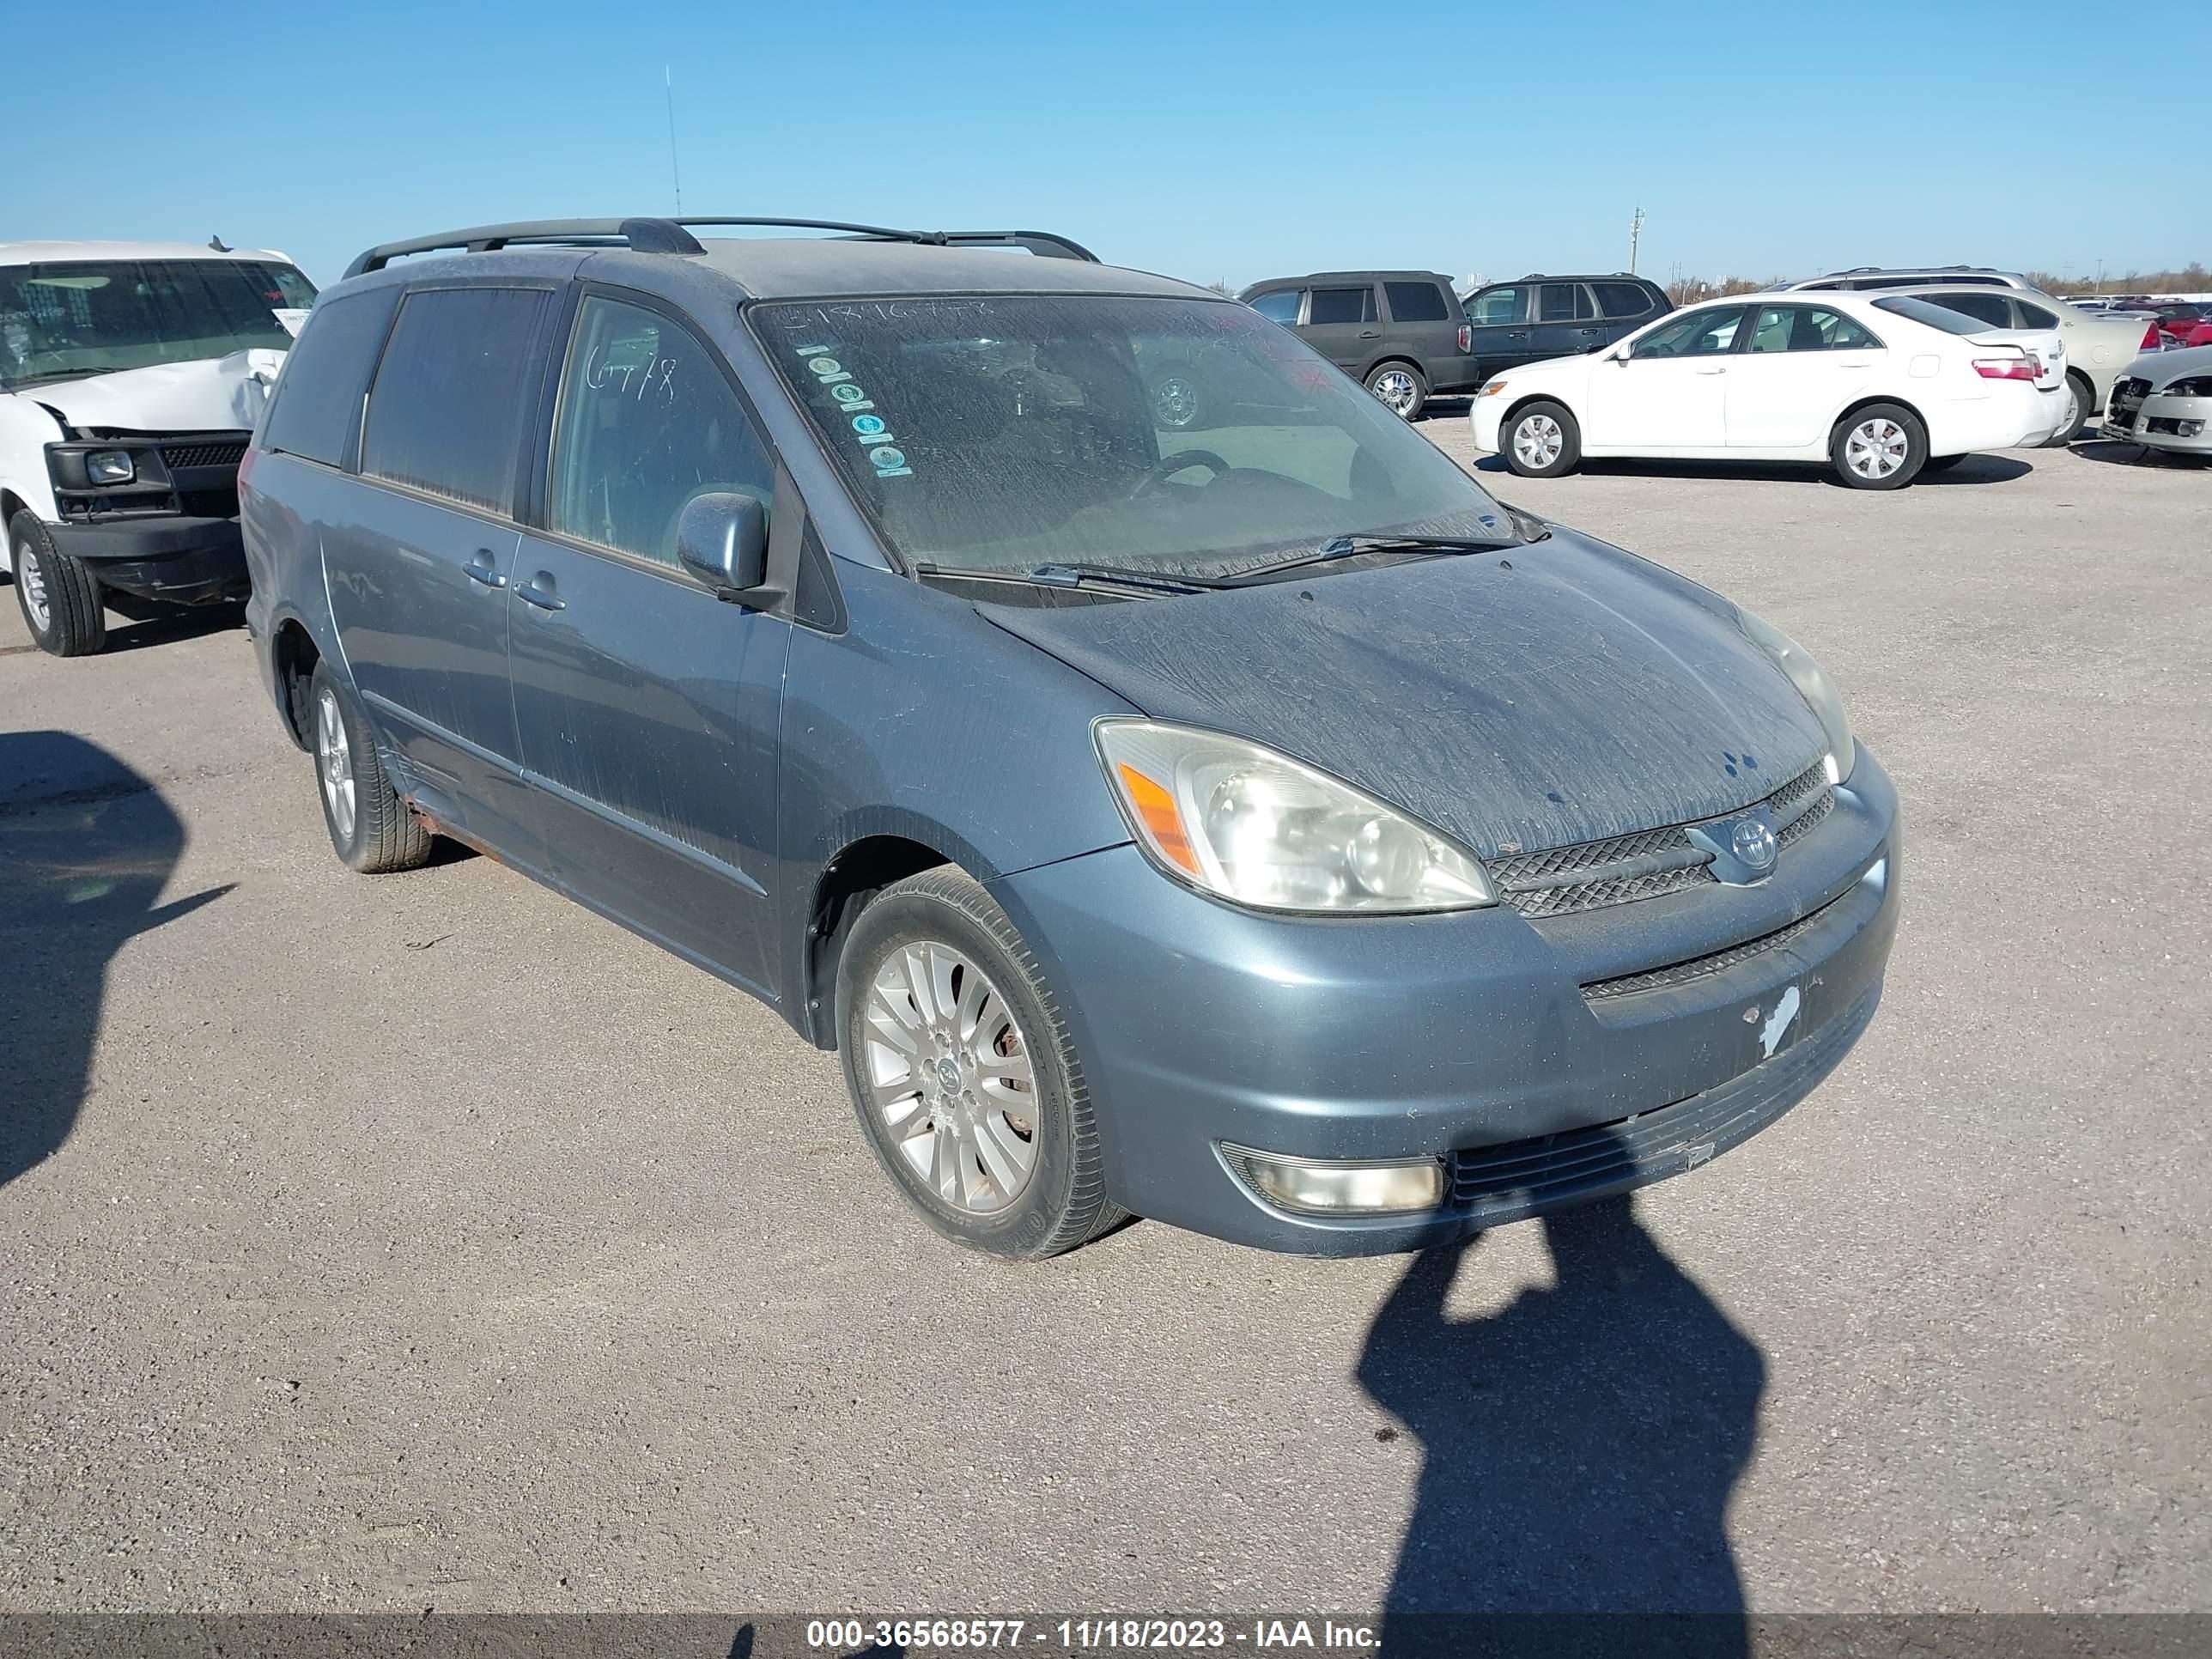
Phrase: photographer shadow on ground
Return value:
(1579, 1448)
(87, 845)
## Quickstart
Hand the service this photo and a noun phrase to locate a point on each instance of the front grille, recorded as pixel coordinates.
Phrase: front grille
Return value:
(1681, 973)
(225, 453)
(1562, 881)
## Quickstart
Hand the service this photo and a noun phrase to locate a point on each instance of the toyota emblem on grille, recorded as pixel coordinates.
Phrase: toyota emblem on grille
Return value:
(1752, 842)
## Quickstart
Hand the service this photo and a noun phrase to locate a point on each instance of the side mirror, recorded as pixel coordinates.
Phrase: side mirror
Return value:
(722, 539)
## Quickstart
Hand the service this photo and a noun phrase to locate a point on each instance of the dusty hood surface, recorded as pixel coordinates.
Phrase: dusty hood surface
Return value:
(217, 394)
(1576, 694)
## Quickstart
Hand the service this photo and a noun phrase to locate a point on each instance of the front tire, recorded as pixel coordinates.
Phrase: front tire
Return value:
(1882, 447)
(962, 1073)
(372, 830)
(57, 595)
(1542, 441)
(1399, 387)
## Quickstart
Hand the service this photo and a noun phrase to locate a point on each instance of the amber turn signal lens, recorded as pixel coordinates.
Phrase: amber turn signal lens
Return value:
(1157, 808)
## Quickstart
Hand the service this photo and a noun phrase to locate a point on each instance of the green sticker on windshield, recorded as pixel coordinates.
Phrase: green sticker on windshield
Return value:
(869, 428)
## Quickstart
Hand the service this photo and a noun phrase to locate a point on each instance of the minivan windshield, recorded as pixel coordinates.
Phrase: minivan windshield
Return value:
(1004, 432)
(61, 320)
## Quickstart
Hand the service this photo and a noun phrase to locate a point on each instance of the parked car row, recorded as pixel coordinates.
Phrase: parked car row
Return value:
(1404, 335)
(856, 618)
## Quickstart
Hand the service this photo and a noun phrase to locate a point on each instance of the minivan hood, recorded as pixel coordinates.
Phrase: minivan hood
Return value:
(217, 394)
(1556, 693)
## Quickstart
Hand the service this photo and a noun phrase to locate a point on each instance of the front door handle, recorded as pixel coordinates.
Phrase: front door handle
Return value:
(481, 569)
(538, 591)
(1717, 369)
(1588, 332)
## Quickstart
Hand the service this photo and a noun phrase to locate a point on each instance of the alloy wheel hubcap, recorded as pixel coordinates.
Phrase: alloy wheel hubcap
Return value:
(1395, 390)
(948, 1077)
(33, 575)
(1538, 440)
(1175, 402)
(334, 762)
(1875, 448)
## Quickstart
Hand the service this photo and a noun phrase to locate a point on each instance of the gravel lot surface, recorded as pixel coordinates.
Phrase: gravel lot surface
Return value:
(426, 1241)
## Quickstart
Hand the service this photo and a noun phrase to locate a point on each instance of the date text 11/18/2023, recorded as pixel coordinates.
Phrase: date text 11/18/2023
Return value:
(1085, 1635)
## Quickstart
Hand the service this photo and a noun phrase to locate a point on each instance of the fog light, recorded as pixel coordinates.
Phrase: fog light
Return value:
(2188, 428)
(1340, 1187)
(110, 466)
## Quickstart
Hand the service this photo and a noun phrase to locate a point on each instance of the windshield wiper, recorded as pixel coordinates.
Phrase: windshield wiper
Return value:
(1345, 547)
(1077, 576)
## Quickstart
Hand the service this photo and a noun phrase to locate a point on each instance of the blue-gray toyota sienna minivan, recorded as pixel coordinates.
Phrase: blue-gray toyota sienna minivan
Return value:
(1171, 784)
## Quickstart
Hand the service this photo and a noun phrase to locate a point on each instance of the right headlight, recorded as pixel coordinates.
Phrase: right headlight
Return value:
(1813, 684)
(1260, 830)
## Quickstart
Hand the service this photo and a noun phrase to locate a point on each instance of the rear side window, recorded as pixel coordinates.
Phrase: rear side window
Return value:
(1280, 306)
(446, 413)
(1933, 315)
(319, 395)
(2035, 316)
(647, 420)
(1415, 302)
(1562, 302)
(1621, 299)
(1342, 305)
(1990, 308)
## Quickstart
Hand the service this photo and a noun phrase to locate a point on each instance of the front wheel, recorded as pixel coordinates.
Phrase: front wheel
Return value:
(1883, 446)
(59, 595)
(1542, 441)
(962, 1072)
(1399, 387)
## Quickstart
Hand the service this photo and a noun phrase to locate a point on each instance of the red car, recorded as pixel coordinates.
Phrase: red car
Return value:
(2200, 333)
(2175, 319)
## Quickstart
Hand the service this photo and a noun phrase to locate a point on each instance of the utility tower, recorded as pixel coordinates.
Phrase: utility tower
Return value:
(1634, 235)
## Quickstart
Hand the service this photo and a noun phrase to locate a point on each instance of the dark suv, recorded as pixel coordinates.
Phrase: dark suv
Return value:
(1540, 318)
(848, 615)
(1397, 332)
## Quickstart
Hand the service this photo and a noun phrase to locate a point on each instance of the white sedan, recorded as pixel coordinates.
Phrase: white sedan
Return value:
(1880, 386)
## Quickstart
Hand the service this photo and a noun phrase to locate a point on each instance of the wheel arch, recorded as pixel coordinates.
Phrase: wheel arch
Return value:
(1869, 401)
(862, 867)
(293, 656)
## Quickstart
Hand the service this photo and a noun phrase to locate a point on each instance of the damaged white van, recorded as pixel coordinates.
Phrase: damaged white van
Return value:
(130, 376)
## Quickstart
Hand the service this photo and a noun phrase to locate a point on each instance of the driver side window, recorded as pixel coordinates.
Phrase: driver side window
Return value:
(647, 420)
(1693, 334)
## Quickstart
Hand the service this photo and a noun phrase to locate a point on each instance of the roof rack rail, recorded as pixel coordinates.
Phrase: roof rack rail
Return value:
(671, 235)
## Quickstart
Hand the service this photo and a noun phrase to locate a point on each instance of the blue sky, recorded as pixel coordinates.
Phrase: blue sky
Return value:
(1211, 141)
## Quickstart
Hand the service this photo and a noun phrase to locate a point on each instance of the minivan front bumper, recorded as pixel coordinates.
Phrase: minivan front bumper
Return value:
(1542, 1063)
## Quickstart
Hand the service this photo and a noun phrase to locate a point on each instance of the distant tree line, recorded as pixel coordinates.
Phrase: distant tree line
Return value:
(2192, 278)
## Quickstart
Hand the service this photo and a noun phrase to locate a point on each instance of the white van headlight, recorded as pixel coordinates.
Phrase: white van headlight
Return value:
(1259, 828)
(1813, 684)
(110, 466)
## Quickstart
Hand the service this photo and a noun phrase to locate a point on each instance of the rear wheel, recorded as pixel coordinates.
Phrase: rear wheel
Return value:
(962, 1073)
(2084, 399)
(372, 830)
(1882, 446)
(1542, 441)
(1399, 387)
(59, 595)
